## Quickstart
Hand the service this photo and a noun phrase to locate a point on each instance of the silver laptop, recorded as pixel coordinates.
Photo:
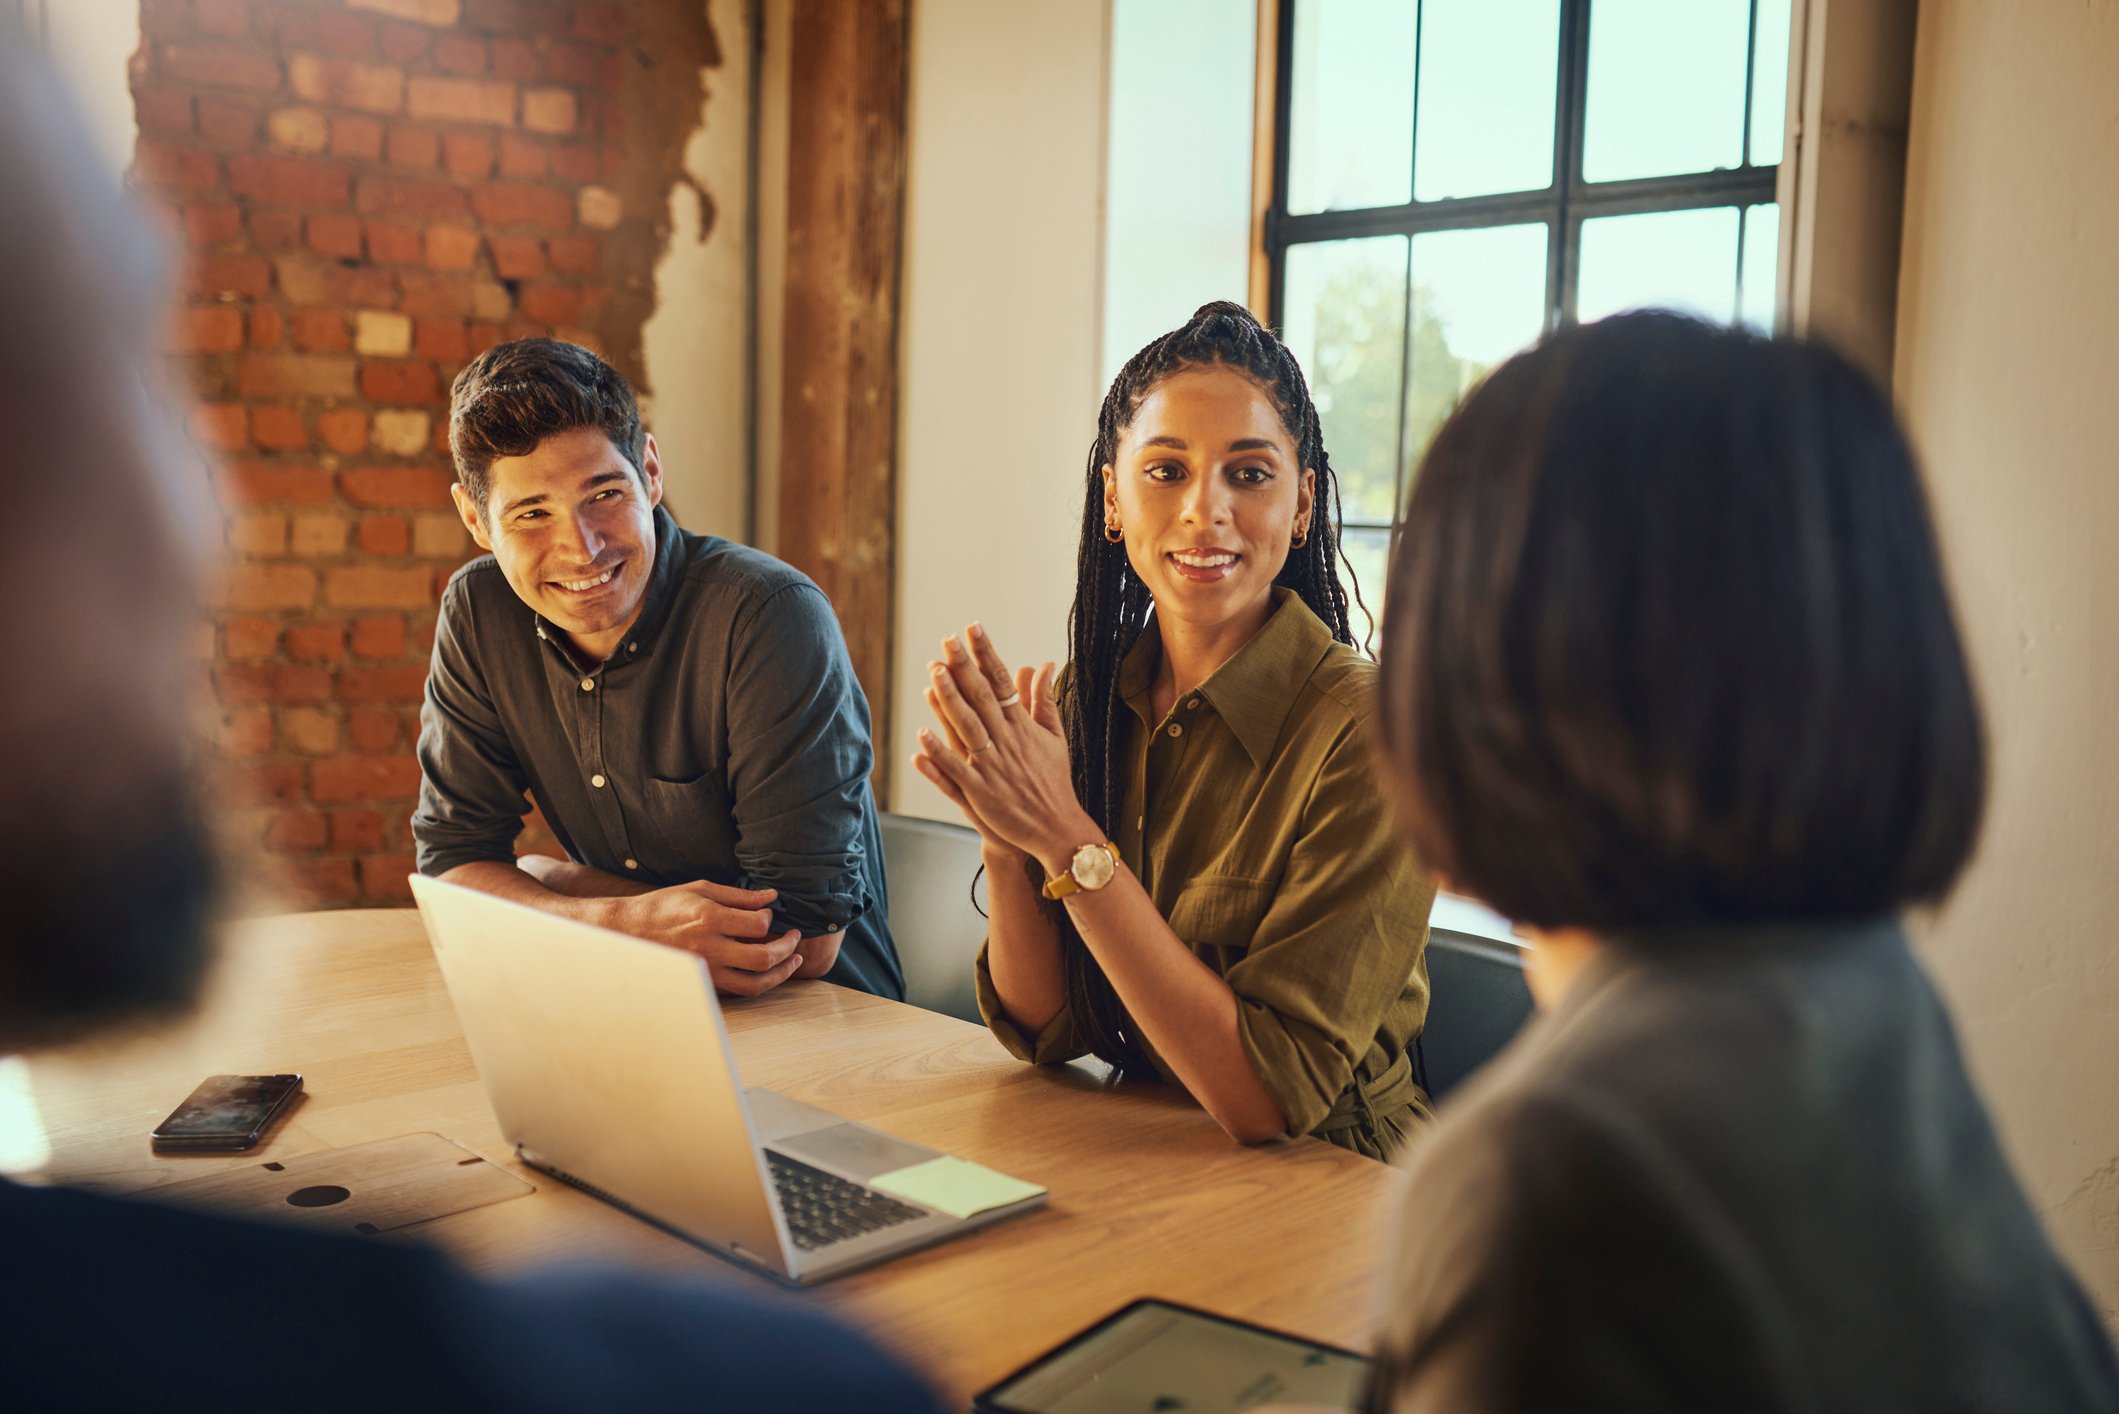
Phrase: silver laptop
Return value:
(609, 1067)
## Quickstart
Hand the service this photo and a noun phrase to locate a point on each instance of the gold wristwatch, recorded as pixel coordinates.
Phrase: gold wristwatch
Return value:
(1091, 868)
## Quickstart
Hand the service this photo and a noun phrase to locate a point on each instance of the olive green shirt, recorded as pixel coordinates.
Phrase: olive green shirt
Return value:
(1254, 819)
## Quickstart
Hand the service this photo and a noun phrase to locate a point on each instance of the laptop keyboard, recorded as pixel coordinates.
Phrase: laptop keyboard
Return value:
(822, 1208)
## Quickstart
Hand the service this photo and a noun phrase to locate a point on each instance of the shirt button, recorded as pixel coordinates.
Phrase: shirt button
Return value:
(588, 684)
(632, 648)
(596, 781)
(1193, 705)
(1176, 730)
(632, 864)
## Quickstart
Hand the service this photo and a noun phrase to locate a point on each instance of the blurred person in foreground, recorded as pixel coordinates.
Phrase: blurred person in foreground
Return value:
(107, 888)
(1670, 676)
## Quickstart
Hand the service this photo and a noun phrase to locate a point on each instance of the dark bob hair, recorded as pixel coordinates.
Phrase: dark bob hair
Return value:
(514, 395)
(1667, 641)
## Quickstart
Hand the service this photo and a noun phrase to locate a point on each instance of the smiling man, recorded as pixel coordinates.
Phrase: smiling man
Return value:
(681, 707)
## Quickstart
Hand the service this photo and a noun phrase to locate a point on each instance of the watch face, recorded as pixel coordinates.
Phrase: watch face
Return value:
(1092, 867)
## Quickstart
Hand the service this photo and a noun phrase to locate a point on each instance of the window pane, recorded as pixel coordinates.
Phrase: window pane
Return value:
(1666, 87)
(1350, 129)
(1762, 250)
(1675, 259)
(1478, 296)
(1344, 317)
(1769, 83)
(1368, 551)
(1488, 70)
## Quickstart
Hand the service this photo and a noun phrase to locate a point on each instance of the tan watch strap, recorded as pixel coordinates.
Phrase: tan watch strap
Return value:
(1064, 883)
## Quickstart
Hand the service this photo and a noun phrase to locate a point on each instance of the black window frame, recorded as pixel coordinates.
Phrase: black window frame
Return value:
(1563, 205)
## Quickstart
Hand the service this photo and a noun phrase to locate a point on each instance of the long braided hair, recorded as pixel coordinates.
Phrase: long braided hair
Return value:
(1111, 603)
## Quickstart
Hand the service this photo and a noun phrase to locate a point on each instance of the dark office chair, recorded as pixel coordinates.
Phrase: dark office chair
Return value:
(930, 867)
(1477, 1001)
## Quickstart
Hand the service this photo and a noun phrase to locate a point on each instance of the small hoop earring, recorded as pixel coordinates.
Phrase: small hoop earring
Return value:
(1114, 532)
(1302, 537)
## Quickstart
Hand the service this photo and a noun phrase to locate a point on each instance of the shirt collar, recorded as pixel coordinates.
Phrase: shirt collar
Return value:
(1255, 690)
(655, 604)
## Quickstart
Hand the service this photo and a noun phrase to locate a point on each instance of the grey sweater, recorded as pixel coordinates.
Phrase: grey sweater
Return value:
(1736, 1169)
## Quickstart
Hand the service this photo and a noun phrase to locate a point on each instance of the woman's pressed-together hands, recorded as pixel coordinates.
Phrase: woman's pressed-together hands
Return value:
(1001, 753)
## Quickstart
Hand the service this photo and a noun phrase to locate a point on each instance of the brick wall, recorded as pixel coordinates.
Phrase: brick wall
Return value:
(368, 192)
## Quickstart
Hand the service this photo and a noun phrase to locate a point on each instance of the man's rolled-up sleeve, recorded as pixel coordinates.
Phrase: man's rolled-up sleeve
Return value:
(799, 758)
(472, 790)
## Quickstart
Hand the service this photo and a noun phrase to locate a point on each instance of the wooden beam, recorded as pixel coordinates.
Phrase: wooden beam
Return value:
(1265, 89)
(839, 358)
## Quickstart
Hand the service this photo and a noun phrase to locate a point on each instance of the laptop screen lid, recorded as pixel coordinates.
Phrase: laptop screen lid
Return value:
(606, 1061)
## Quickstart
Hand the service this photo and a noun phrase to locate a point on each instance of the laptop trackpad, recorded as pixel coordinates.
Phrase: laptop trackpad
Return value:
(855, 1150)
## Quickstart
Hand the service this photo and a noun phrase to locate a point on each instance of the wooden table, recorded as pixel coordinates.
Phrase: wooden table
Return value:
(1149, 1198)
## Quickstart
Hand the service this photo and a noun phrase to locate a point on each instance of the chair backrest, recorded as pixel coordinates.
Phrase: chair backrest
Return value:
(930, 867)
(1478, 1000)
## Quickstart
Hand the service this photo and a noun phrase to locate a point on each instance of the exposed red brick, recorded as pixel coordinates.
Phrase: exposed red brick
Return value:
(249, 276)
(401, 381)
(325, 880)
(577, 162)
(357, 136)
(443, 340)
(519, 204)
(402, 43)
(245, 732)
(437, 296)
(163, 112)
(205, 329)
(296, 832)
(275, 230)
(262, 586)
(383, 877)
(347, 83)
(442, 100)
(165, 164)
(413, 146)
(229, 123)
(258, 534)
(396, 487)
(278, 783)
(287, 181)
(271, 682)
(552, 304)
(223, 426)
(451, 247)
(522, 157)
(517, 257)
(468, 156)
(356, 831)
(599, 22)
(573, 63)
(372, 728)
(459, 54)
(573, 255)
(316, 642)
(343, 430)
(249, 638)
(345, 36)
(392, 244)
(411, 200)
(221, 64)
(323, 331)
(311, 281)
(296, 375)
(515, 59)
(250, 483)
(385, 535)
(495, 16)
(335, 234)
(378, 587)
(267, 327)
(228, 18)
(379, 636)
(211, 224)
(278, 428)
(405, 684)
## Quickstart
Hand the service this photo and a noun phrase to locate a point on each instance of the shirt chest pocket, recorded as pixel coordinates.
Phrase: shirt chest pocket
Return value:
(1218, 916)
(690, 824)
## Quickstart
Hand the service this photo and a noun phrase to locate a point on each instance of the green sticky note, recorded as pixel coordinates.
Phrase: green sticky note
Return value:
(954, 1186)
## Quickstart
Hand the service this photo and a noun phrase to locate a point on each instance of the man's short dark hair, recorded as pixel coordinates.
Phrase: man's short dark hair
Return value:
(514, 395)
(1667, 641)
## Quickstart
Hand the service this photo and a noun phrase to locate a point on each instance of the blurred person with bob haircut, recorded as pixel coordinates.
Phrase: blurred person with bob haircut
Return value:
(107, 905)
(1670, 677)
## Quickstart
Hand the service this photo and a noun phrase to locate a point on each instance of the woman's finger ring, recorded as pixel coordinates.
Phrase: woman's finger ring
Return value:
(1010, 700)
(976, 751)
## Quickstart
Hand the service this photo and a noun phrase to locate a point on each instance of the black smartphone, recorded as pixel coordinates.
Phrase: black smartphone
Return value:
(1161, 1355)
(227, 1113)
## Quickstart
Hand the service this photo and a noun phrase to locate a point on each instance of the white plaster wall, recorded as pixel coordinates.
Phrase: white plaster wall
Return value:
(999, 377)
(697, 342)
(90, 42)
(2008, 358)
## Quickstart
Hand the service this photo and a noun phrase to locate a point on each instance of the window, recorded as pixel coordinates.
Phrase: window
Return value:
(1453, 178)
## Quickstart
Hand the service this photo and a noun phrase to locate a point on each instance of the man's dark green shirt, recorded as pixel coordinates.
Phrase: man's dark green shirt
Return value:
(726, 739)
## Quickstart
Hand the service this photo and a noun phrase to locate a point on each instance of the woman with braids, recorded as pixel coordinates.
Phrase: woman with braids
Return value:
(1190, 871)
